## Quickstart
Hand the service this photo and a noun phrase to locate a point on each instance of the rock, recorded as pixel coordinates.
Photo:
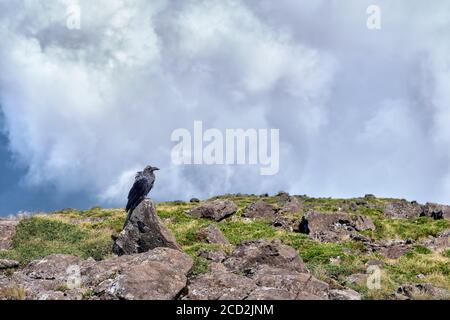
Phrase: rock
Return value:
(220, 284)
(150, 280)
(437, 243)
(143, 231)
(160, 273)
(292, 205)
(252, 254)
(260, 209)
(363, 223)
(216, 210)
(402, 209)
(7, 232)
(215, 256)
(55, 267)
(327, 227)
(391, 249)
(264, 293)
(423, 290)
(287, 223)
(282, 197)
(436, 211)
(194, 200)
(357, 278)
(444, 234)
(292, 281)
(211, 234)
(347, 294)
(8, 264)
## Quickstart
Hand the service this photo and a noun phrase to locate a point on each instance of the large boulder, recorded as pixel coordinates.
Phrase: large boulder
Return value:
(211, 234)
(7, 232)
(249, 255)
(215, 210)
(260, 209)
(143, 231)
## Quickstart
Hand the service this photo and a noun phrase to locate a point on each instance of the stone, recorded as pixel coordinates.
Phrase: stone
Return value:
(251, 254)
(260, 209)
(149, 280)
(215, 210)
(215, 256)
(346, 294)
(143, 231)
(157, 274)
(363, 223)
(220, 284)
(7, 232)
(291, 281)
(391, 249)
(264, 293)
(8, 264)
(436, 211)
(402, 209)
(212, 234)
(194, 200)
(423, 291)
(292, 205)
(288, 223)
(327, 227)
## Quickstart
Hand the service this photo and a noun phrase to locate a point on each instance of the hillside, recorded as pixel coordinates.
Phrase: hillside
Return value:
(338, 240)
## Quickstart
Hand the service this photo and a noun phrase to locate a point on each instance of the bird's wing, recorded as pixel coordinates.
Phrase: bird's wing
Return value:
(139, 188)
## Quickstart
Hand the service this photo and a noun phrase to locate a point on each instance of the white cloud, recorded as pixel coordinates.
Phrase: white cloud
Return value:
(84, 108)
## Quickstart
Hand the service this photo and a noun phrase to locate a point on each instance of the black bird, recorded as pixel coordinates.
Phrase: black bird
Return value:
(143, 183)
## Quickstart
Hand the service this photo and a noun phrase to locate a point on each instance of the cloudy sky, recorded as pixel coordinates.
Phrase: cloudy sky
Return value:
(359, 111)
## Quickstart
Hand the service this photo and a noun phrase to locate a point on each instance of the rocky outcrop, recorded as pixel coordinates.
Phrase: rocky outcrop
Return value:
(143, 231)
(262, 270)
(260, 209)
(251, 254)
(212, 234)
(402, 209)
(215, 210)
(436, 211)
(160, 273)
(7, 232)
(333, 227)
(293, 204)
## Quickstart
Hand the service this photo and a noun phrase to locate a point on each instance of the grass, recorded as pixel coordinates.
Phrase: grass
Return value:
(87, 233)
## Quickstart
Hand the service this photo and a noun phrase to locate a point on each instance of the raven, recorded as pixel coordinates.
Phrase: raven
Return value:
(143, 183)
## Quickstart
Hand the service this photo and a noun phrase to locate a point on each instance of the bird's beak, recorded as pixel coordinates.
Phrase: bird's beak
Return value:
(155, 168)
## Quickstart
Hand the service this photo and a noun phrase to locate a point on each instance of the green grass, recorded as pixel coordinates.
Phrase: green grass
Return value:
(38, 237)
